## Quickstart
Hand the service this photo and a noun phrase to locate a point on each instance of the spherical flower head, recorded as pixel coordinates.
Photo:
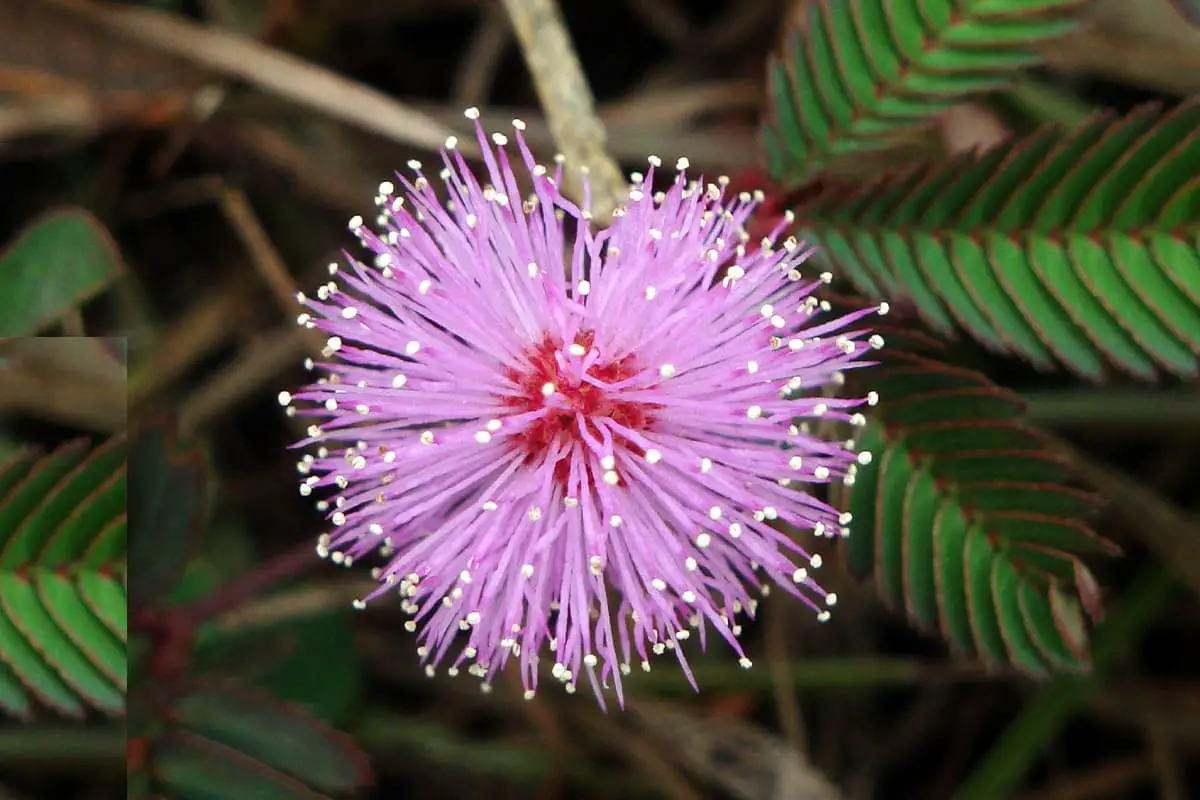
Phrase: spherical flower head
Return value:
(575, 447)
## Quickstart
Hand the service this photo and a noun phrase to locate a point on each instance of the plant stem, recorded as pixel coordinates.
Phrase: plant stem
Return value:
(1028, 737)
(1043, 103)
(823, 673)
(1168, 530)
(246, 586)
(567, 99)
(63, 746)
(1135, 411)
(173, 630)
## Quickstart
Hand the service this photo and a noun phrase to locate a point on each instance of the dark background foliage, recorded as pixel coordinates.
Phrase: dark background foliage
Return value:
(148, 195)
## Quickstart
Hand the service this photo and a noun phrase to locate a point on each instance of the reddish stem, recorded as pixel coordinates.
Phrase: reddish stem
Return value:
(173, 629)
(246, 587)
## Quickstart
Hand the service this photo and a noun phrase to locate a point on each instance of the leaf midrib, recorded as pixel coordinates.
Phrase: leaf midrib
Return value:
(933, 44)
(1058, 236)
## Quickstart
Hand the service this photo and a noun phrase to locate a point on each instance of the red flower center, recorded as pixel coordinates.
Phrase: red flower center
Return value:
(578, 398)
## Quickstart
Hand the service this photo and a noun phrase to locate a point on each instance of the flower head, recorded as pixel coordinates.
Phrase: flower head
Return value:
(571, 445)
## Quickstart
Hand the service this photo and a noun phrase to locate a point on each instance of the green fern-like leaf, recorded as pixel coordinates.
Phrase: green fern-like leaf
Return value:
(1081, 248)
(229, 742)
(966, 525)
(862, 72)
(62, 596)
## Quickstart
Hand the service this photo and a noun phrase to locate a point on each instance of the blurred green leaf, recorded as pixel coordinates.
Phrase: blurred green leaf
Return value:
(63, 624)
(169, 481)
(324, 670)
(441, 746)
(312, 660)
(268, 748)
(195, 768)
(225, 551)
(8, 449)
(58, 262)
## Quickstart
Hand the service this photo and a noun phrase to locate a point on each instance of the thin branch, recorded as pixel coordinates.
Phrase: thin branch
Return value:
(246, 587)
(567, 99)
(1134, 412)
(70, 380)
(477, 71)
(1106, 779)
(1126, 56)
(1168, 530)
(257, 365)
(63, 747)
(72, 114)
(271, 70)
(642, 753)
(265, 256)
(307, 600)
(786, 700)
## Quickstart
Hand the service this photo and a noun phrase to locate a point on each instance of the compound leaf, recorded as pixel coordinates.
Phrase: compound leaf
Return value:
(966, 526)
(241, 743)
(1076, 248)
(62, 598)
(861, 73)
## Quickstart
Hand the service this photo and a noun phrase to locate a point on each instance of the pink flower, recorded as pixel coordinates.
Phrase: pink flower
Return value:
(523, 412)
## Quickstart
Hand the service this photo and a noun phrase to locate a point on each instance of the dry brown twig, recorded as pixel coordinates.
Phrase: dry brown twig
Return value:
(1167, 761)
(243, 377)
(641, 751)
(307, 600)
(1107, 779)
(271, 70)
(1142, 44)
(262, 359)
(784, 688)
(765, 767)
(62, 73)
(1105, 50)
(664, 19)
(634, 138)
(41, 115)
(208, 325)
(69, 380)
(679, 106)
(570, 107)
(270, 264)
(477, 71)
(265, 356)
